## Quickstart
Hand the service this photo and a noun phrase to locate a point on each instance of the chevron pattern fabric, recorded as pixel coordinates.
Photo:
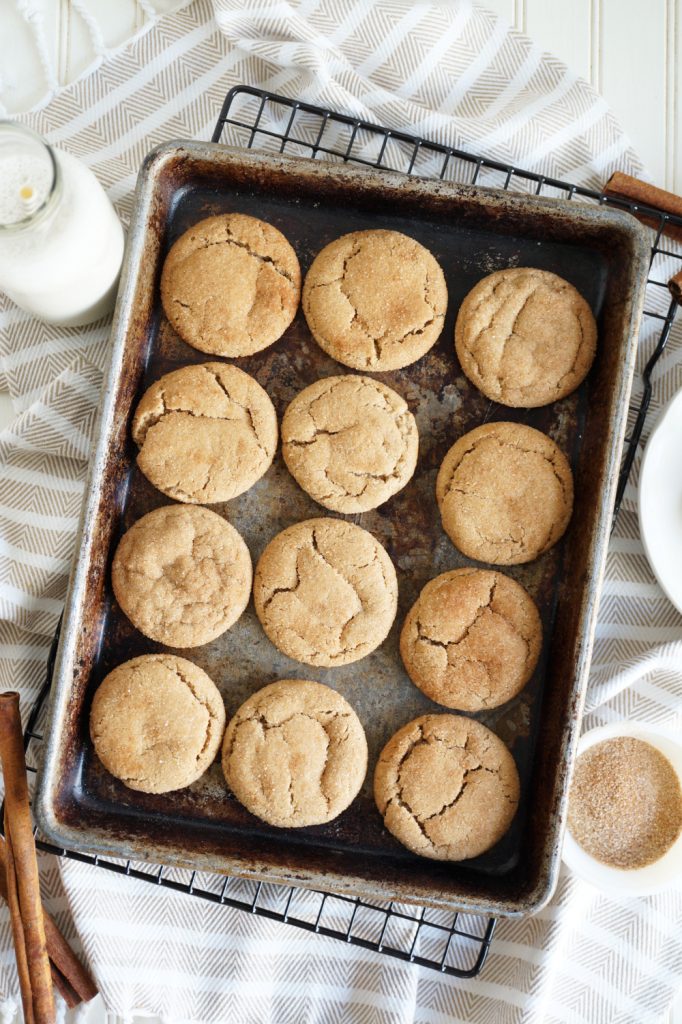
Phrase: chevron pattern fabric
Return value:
(456, 73)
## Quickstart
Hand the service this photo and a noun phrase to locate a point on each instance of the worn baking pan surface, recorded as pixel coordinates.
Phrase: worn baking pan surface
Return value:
(472, 233)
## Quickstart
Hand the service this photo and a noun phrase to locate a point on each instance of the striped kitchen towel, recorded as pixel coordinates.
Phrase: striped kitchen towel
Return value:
(458, 74)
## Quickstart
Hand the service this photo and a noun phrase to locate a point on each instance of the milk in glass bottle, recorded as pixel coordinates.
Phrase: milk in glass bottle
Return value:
(61, 243)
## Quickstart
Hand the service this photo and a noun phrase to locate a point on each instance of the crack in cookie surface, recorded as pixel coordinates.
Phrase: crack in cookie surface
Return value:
(295, 753)
(375, 300)
(505, 493)
(350, 442)
(472, 639)
(446, 787)
(325, 592)
(206, 433)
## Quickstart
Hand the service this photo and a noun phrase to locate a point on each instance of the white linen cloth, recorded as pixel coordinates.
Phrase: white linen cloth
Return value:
(458, 74)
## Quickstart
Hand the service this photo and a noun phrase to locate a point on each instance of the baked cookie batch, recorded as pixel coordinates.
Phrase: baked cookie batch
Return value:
(325, 590)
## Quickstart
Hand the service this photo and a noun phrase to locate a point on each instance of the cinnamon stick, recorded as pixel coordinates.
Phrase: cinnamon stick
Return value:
(22, 877)
(624, 186)
(675, 286)
(18, 937)
(67, 964)
(69, 995)
(68, 973)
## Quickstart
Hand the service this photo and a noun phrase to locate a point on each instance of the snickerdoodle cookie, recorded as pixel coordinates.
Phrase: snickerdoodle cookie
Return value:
(350, 442)
(295, 754)
(446, 787)
(156, 722)
(206, 433)
(505, 493)
(182, 575)
(472, 639)
(325, 592)
(525, 337)
(230, 285)
(375, 300)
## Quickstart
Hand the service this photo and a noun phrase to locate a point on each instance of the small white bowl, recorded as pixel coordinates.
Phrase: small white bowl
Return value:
(660, 501)
(664, 872)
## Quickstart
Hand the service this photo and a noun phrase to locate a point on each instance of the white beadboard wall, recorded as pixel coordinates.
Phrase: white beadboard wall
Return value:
(631, 52)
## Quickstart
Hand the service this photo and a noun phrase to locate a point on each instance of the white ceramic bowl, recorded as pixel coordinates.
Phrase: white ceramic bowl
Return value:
(654, 877)
(660, 501)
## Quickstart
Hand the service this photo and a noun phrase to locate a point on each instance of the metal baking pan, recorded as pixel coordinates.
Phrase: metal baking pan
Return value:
(471, 232)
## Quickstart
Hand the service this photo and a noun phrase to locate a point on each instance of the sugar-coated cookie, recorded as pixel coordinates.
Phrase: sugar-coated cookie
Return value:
(230, 285)
(525, 337)
(472, 639)
(325, 592)
(182, 575)
(375, 300)
(206, 433)
(505, 493)
(350, 442)
(447, 787)
(157, 722)
(295, 753)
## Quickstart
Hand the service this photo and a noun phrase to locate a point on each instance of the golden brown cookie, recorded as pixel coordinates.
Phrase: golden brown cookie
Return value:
(295, 754)
(230, 285)
(472, 639)
(206, 433)
(446, 787)
(375, 300)
(525, 337)
(325, 592)
(182, 575)
(156, 722)
(350, 442)
(505, 493)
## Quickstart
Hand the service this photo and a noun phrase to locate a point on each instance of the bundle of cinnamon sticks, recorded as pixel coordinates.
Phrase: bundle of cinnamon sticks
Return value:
(45, 960)
(641, 193)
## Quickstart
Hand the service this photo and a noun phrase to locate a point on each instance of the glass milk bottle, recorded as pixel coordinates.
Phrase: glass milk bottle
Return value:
(61, 243)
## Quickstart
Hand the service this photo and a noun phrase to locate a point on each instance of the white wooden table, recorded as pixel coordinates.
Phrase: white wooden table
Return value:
(630, 50)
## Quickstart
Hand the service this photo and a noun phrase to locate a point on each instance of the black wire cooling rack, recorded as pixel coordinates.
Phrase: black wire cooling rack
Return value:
(454, 944)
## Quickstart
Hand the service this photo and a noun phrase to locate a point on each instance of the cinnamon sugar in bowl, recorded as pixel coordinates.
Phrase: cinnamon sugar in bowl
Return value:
(625, 809)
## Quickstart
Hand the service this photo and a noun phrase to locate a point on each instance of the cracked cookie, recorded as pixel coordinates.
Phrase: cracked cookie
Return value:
(375, 300)
(472, 639)
(230, 285)
(156, 722)
(525, 337)
(295, 754)
(206, 433)
(446, 787)
(505, 493)
(182, 575)
(325, 592)
(349, 442)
